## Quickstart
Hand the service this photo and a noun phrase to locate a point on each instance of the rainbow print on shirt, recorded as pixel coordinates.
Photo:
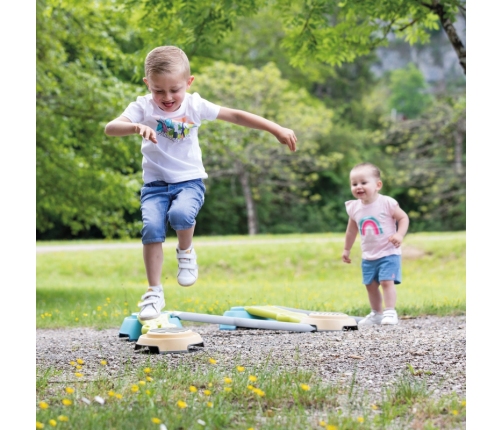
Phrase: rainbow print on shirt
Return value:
(370, 223)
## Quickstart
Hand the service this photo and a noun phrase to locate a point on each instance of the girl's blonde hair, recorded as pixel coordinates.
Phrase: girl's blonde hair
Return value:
(374, 169)
(167, 59)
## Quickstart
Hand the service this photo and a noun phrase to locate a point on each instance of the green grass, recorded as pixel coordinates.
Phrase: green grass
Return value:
(99, 288)
(204, 395)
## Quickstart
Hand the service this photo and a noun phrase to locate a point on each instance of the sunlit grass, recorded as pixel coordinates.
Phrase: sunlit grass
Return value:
(233, 396)
(100, 287)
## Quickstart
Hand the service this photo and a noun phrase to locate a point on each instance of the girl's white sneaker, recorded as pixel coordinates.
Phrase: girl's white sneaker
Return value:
(389, 317)
(371, 319)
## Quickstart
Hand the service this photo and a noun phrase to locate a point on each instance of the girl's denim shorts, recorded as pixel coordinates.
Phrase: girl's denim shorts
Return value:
(383, 269)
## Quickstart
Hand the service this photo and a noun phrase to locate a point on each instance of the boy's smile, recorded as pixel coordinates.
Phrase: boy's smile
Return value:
(168, 89)
(364, 185)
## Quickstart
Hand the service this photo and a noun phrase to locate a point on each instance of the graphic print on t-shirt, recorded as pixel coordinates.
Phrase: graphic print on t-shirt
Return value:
(175, 129)
(370, 223)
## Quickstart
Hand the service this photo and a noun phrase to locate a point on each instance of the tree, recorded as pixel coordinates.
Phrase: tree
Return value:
(85, 180)
(427, 159)
(408, 92)
(316, 31)
(261, 164)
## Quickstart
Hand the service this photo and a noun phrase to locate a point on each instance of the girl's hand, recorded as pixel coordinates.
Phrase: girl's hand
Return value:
(287, 137)
(345, 256)
(146, 132)
(396, 239)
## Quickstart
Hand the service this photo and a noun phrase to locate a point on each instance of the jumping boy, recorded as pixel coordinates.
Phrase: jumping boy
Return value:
(168, 119)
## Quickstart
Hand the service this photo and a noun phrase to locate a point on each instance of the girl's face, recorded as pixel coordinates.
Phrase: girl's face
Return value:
(364, 185)
(168, 89)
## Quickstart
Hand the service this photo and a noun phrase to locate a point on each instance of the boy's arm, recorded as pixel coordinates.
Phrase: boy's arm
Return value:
(403, 223)
(122, 126)
(247, 119)
(350, 237)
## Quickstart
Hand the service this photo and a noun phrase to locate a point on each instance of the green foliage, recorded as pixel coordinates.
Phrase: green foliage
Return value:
(84, 180)
(409, 94)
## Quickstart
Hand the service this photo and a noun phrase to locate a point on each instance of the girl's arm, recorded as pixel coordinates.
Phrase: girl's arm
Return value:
(350, 237)
(403, 223)
(250, 120)
(122, 126)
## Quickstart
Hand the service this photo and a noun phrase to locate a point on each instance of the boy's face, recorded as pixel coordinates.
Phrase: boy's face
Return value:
(364, 185)
(168, 89)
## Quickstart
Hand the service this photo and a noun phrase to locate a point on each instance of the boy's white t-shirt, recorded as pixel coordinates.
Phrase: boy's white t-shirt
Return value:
(176, 157)
(376, 224)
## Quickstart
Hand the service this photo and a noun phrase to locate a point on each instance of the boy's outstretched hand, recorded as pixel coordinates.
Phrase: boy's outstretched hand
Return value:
(287, 137)
(146, 132)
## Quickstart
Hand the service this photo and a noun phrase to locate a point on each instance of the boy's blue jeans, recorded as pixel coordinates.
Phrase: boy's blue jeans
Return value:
(163, 203)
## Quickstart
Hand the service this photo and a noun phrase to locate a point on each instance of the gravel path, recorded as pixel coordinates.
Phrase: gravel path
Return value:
(434, 346)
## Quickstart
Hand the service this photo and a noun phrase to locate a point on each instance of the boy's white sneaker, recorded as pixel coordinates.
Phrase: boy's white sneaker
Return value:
(188, 271)
(152, 304)
(372, 319)
(389, 317)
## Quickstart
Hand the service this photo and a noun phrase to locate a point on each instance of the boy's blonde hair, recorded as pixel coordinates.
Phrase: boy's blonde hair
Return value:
(375, 171)
(166, 59)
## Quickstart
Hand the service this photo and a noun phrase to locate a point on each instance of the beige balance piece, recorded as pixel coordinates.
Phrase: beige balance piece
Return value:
(169, 340)
(322, 321)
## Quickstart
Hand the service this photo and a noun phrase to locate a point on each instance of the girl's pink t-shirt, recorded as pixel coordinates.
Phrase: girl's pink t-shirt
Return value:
(376, 224)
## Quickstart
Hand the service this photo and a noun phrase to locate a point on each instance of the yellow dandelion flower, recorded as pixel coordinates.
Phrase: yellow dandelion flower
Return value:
(156, 420)
(207, 392)
(181, 404)
(322, 423)
(360, 419)
(228, 380)
(148, 392)
(118, 396)
(463, 403)
(63, 418)
(76, 319)
(69, 390)
(80, 361)
(126, 304)
(250, 387)
(331, 427)
(78, 375)
(111, 393)
(142, 382)
(374, 407)
(454, 412)
(99, 308)
(43, 405)
(147, 370)
(103, 362)
(209, 404)
(66, 402)
(53, 423)
(108, 299)
(40, 425)
(84, 315)
(304, 387)
(192, 389)
(73, 363)
(210, 384)
(252, 378)
(240, 368)
(134, 388)
(228, 389)
(149, 379)
(213, 361)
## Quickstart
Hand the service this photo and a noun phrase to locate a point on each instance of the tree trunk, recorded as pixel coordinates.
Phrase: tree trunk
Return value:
(451, 32)
(248, 196)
